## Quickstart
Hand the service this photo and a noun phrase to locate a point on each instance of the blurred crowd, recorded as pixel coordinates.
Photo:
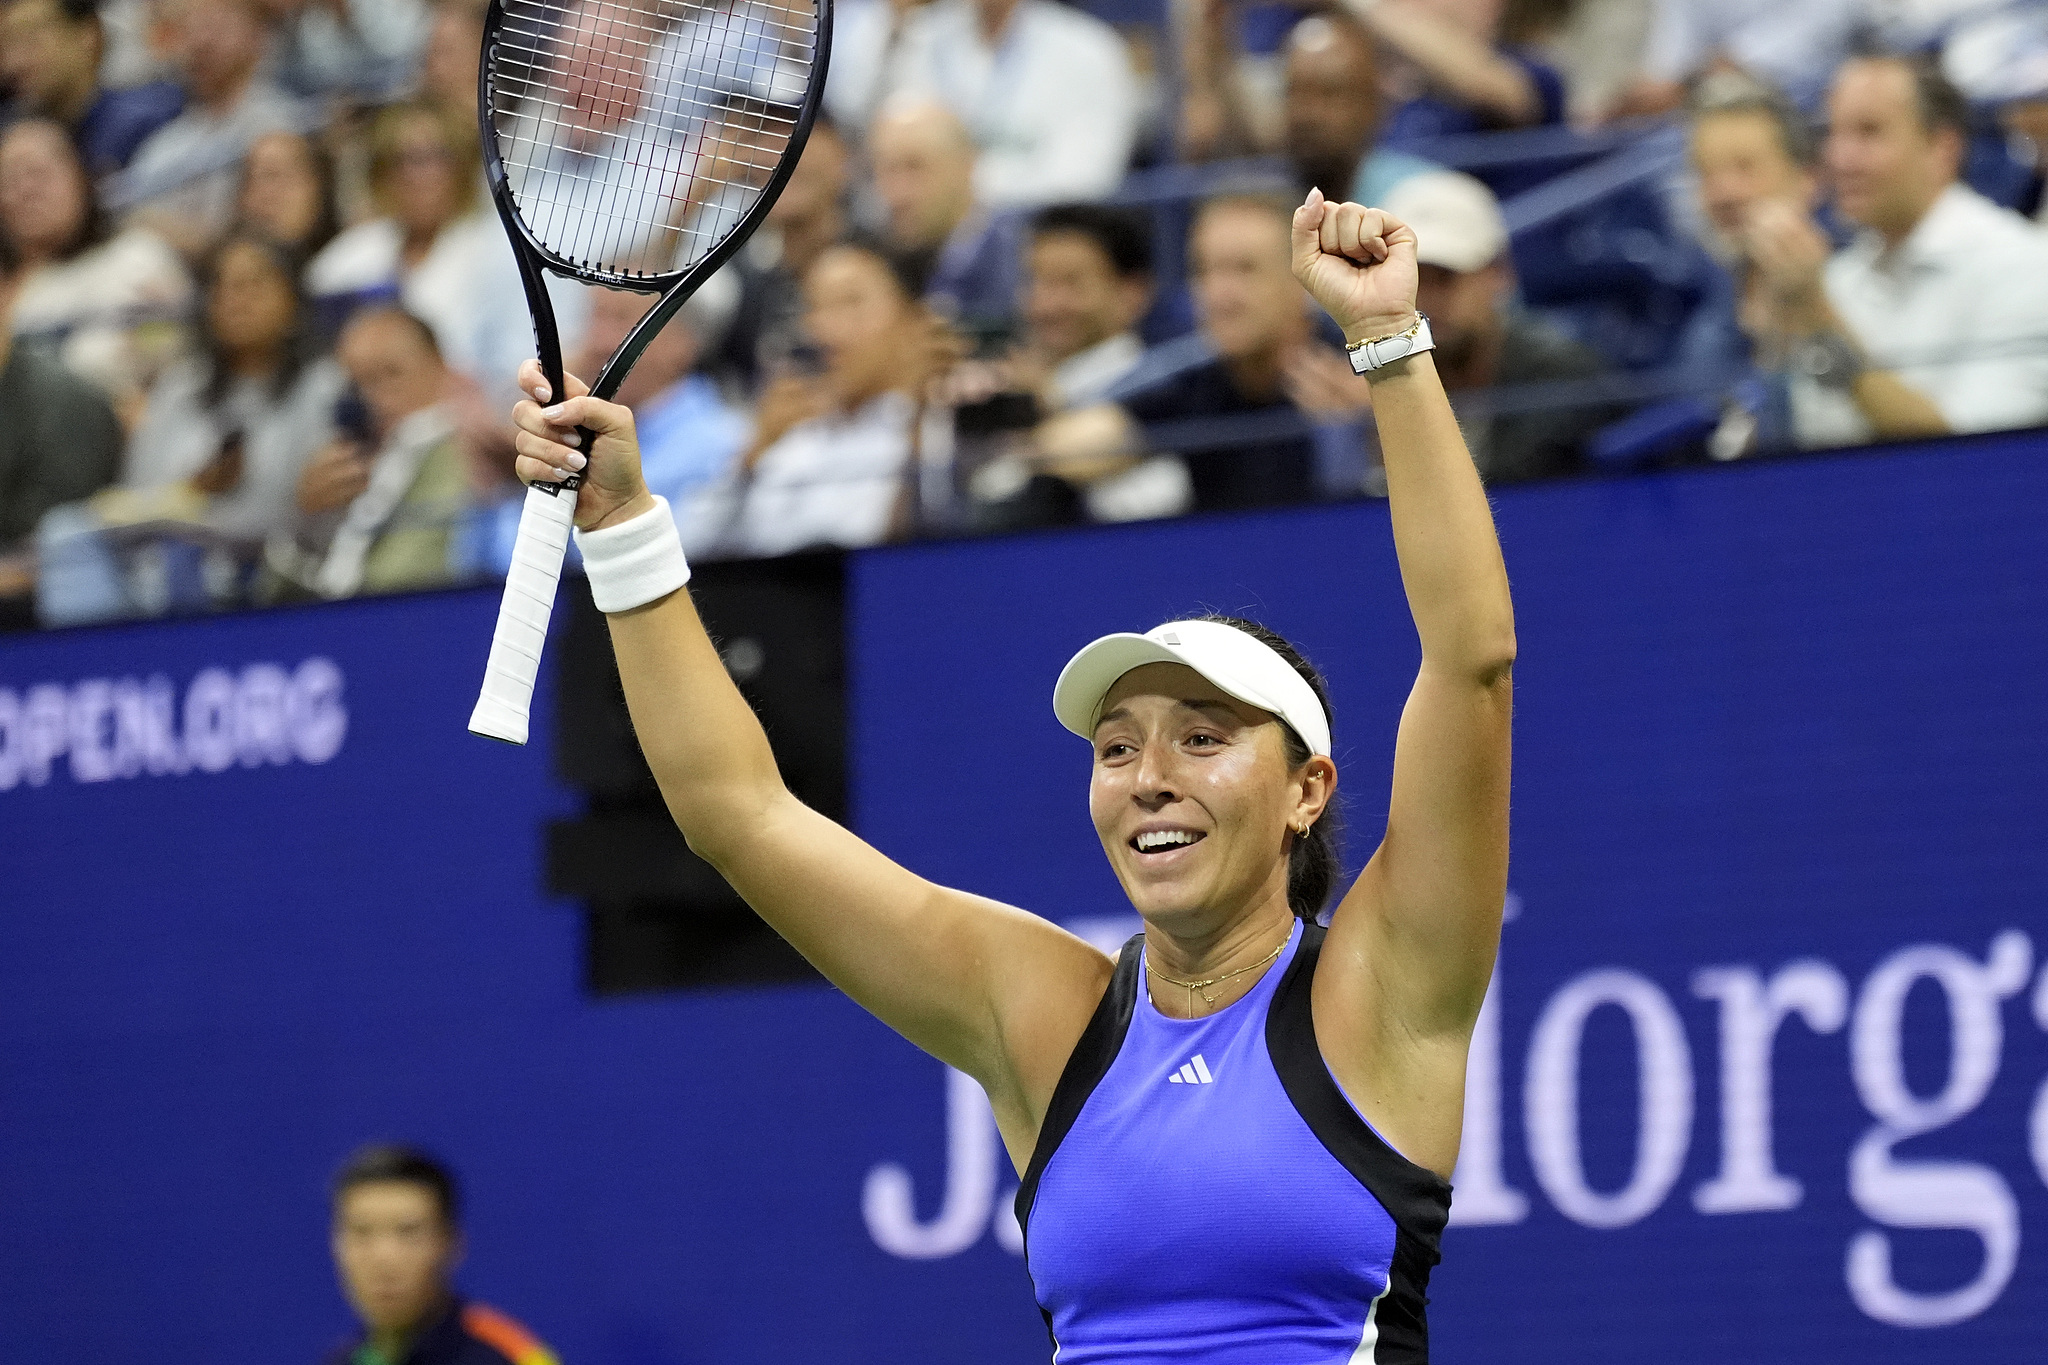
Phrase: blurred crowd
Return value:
(1031, 270)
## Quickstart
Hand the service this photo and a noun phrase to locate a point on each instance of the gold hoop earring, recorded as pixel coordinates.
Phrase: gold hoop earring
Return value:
(1301, 830)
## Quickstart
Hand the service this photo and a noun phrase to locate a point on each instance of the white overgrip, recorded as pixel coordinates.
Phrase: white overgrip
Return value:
(507, 696)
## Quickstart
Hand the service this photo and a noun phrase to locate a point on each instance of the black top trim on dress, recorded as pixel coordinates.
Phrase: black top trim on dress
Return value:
(1418, 1199)
(1086, 1065)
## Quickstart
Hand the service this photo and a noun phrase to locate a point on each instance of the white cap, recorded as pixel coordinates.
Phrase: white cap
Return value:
(2000, 58)
(1240, 665)
(1457, 221)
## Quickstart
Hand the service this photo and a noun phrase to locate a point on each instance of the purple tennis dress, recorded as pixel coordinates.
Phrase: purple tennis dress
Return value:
(1203, 1193)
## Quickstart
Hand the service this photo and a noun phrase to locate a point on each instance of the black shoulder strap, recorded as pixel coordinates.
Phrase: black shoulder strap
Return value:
(1086, 1066)
(1418, 1200)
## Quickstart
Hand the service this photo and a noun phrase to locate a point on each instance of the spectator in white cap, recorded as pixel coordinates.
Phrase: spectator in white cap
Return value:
(2003, 61)
(1484, 340)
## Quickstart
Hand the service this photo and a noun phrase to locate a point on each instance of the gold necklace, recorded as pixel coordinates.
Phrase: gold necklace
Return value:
(1194, 987)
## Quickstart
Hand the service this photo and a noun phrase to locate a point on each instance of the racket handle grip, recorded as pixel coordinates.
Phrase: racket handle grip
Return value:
(507, 696)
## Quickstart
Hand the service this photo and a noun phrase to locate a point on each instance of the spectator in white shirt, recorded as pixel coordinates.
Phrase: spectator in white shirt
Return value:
(853, 454)
(1045, 90)
(236, 423)
(1794, 46)
(1935, 319)
(182, 181)
(435, 247)
(215, 459)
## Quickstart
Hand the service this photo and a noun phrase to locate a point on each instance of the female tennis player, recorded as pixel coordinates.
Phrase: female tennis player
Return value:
(1234, 1139)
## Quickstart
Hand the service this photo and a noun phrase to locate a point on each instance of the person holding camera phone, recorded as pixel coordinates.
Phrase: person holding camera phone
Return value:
(378, 504)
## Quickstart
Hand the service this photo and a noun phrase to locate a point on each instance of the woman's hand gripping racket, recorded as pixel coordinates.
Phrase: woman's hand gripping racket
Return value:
(633, 144)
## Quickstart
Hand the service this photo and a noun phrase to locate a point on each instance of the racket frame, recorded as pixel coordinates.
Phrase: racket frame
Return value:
(675, 287)
(545, 523)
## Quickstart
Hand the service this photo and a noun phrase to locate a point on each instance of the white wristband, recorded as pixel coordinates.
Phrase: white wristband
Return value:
(634, 562)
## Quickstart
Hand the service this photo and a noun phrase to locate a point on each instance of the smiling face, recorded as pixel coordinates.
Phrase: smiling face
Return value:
(1073, 296)
(1193, 795)
(857, 313)
(1887, 165)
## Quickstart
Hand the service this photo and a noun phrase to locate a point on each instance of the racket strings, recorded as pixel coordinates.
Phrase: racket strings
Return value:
(636, 133)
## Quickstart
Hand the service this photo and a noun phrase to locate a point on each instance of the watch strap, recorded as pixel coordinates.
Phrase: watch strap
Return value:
(1379, 352)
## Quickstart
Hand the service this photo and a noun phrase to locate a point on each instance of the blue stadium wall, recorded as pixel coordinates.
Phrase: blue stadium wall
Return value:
(1761, 1078)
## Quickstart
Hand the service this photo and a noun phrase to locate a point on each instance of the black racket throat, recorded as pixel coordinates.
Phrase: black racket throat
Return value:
(620, 139)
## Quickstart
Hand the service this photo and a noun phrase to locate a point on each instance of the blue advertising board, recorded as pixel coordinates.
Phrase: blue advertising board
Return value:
(1763, 1075)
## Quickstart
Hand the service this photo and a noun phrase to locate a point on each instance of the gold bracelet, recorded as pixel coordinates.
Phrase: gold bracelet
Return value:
(1413, 328)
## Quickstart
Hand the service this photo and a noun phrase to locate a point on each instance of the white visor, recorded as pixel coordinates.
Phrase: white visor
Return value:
(1236, 662)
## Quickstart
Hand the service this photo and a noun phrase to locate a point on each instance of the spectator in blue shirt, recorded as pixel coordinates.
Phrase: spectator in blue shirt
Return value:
(689, 434)
(50, 54)
(1749, 146)
(965, 252)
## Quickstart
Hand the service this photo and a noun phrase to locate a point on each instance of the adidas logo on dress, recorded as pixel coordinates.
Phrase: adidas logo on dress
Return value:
(1195, 1072)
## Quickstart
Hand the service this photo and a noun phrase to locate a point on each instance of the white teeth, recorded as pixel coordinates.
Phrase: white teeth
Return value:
(1165, 838)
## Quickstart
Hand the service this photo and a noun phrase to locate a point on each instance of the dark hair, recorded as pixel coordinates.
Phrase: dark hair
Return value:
(1121, 235)
(907, 268)
(1935, 97)
(1740, 93)
(79, 11)
(1526, 22)
(301, 345)
(94, 225)
(1313, 861)
(390, 1163)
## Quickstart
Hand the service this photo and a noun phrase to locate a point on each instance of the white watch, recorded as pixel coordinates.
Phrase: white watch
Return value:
(1367, 356)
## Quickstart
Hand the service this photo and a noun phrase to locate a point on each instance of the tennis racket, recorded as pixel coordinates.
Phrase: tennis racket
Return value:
(632, 144)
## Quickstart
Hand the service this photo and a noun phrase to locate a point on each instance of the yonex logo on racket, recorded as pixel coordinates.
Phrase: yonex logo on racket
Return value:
(1193, 1072)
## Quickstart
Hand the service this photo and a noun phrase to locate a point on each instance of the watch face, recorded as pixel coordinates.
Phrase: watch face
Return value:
(1828, 360)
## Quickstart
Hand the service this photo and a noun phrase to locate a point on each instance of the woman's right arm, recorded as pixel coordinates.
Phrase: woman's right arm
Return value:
(996, 992)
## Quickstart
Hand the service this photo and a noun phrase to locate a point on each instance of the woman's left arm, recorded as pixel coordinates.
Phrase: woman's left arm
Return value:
(1411, 947)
